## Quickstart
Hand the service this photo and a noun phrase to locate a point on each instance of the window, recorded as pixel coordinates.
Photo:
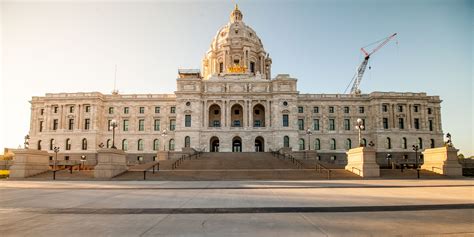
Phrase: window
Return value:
(316, 124)
(420, 143)
(301, 144)
(172, 124)
(363, 123)
(141, 110)
(156, 144)
(252, 67)
(430, 124)
(300, 109)
(141, 125)
(332, 144)
(171, 145)
(348, 143)
(173, 110)
(401, 123)
(286, 141)
(187, 141)
(157, 110)
(385, 123)
(432, 143)
(111, 110)
(216, 111)
(429, 110)
(126, 110)
(87, 124)
(187, 120)
(285, 120)
(236, 123)
(257, 123)
(331, 109)
(332, 125)
(400, 108)
(51, 144)
(346, 109)
(404, 143)
(140, 145)
(71, 109)
(68, 144)
(361, 109)
(55, 109)
(66, 157)
(39, 145)
(216, 123)
(285, 103)
(156, 125)
(108, 143)
(109, 125)
(71, 124)
(257, 111)
(301, 124)
(417, 123)
(188, 103)
(384, 108)
(125, 125)
(41, 111)
(364, 142)
(124, 145)
(388, 143)
(315, 109)
(415, 108)
(236, 61)
(221, 67)
(347, 124)
(84, 144)
(236, 112)
(55, 124)
(41, 126)
(88, 108)
(317, 144)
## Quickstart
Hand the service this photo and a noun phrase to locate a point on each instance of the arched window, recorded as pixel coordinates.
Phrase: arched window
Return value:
(348, 144)
(420, 143)
(187, 141)
(156, 144)
(171, 145)
(84, 144)
(108, 143)
(432, 143)
(140, 145)
(124, 145)
(68, 144)
(333, 144)
(51, 144)
(404, 143)
(388, 143)
(301, 144)
(317, 144)
(286, 141)
(364, 142)
(39, 145)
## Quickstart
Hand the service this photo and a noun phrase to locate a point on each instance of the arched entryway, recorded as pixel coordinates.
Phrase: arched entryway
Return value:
(259, 144)
(236, 144)
(214, 144)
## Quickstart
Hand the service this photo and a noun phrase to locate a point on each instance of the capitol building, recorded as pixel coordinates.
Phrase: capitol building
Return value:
(235, 104)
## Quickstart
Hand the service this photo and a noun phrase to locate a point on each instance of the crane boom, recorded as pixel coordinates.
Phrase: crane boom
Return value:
(361, 69)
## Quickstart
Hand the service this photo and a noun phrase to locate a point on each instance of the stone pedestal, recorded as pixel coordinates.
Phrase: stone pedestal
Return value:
(361, 161)
(442, 160)
(28, 162)
(110, 163)
(163, 155)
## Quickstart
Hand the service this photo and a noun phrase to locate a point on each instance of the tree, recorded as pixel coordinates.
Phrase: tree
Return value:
(461, 156)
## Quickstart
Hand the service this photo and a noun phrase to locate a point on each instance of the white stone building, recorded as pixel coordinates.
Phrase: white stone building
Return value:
(233, 104)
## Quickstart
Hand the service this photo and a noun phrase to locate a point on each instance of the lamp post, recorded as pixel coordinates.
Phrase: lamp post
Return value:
(309, 133)
(359, 127)
(163, 135)
(56, 150)
(113, 125)
(415, 148)
(83, 160)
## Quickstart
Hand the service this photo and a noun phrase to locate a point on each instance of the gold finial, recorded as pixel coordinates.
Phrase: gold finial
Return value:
(236, 6)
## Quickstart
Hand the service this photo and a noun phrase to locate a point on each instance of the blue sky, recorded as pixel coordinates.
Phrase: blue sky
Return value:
(71, 46)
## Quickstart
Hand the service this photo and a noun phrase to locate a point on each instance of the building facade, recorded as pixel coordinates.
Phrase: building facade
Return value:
(234, 105)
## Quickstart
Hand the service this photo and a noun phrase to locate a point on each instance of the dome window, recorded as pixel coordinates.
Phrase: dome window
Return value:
(188, 103)
(236, 31)
(285, 103)
(236, 61)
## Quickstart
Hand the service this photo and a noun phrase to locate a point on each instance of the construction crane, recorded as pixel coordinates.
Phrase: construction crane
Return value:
(357, 78)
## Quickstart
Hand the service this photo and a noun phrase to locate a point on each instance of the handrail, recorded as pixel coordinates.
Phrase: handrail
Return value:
(320, 167)
(178, 162)
(285, 156)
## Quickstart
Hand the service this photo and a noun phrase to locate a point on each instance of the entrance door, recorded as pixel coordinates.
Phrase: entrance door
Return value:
(259, 144)
(236, 144)
(214, 144)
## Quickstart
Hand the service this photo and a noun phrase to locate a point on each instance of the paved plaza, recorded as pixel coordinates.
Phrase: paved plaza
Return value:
(237, 208)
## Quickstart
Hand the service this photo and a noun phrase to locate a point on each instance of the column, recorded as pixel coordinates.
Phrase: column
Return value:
(409, 117)
(250, 113)
(61, 118)
(206, 115)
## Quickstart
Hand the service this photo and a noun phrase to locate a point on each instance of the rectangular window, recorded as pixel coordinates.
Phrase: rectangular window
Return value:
(156, 125)
(157, 110)
(71, 109)
(301, 124)
(316, 124)
(141, 125)
(400, 108)
(361, 109)
(142, 110)
(126, 110)
(67, 157)
(401, 123)
(71, 124)
(55, 124)
(111, 110)
(221, 67)
(87, 124)
(55, 109)
(415, 108)
(347, 124)
(173, 110)
(315, 109)
(346, 109)
(41, 111)
(300, 109)
(41, 126)
(172, 124)
(252, 67)
(363, 123)
(88, 108)
(109, 124)
(331, 109)
(125, 125)
(332, 124)
(285, 120)
(430, 124)
(429, 110)
(236, 123)
(384, 108)
(385, 123)
(216, 123)
(187, 120)
(417, 123)
(257, 123)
